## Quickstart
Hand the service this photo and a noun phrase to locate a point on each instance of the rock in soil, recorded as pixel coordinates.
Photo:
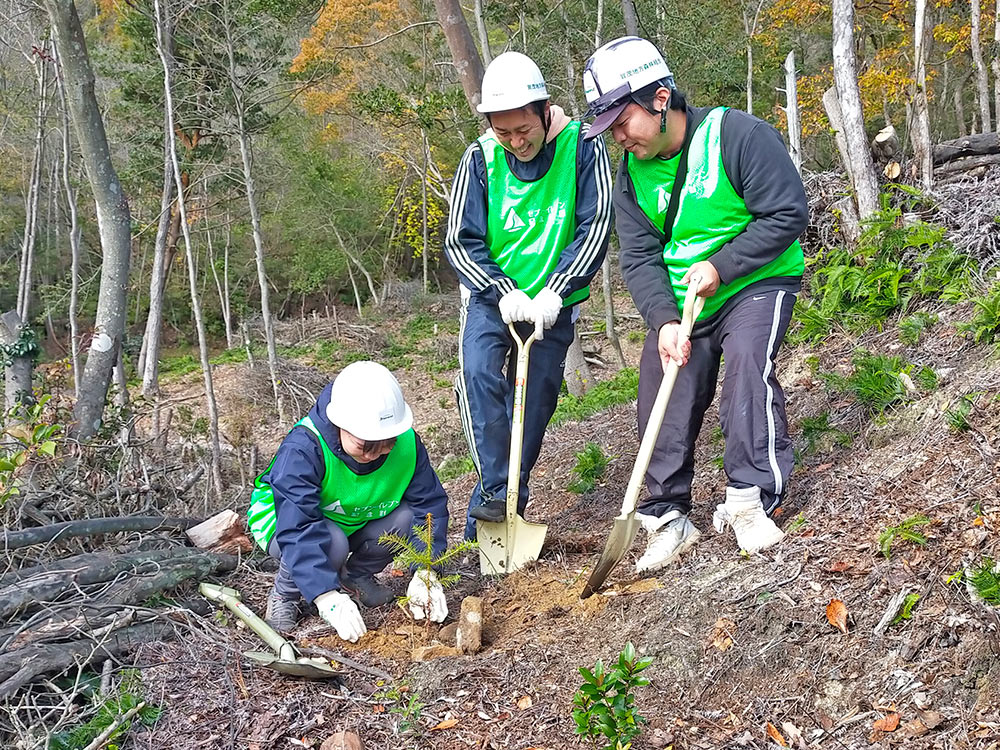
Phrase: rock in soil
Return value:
(470, 625)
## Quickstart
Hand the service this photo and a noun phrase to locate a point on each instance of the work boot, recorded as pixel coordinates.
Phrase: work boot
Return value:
(670, 536)
(744, 511)
(494, 511)
(282, 614)
(369, 592)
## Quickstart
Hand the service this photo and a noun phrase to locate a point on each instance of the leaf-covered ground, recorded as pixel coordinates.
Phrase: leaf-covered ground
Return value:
(742, 647)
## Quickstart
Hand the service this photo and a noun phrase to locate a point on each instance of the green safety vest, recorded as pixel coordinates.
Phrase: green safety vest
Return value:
(350, 500)
(529, 224)
(710, 213)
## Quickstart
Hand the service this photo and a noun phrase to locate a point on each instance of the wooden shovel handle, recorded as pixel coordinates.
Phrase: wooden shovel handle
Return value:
(693, 305)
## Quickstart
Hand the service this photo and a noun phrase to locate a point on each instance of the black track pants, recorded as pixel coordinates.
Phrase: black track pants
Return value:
(751, 407)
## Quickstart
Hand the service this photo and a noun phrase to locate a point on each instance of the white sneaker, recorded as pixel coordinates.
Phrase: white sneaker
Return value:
(670, 536)
(744, 511)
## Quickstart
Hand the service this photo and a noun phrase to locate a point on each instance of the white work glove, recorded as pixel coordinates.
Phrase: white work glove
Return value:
(426, 594)
(516, 307)
(547, 306)
(341, 613)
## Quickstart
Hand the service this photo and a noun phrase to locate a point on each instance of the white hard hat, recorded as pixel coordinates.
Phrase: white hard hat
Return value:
(366, 400)
(614, 72)
(511, 81)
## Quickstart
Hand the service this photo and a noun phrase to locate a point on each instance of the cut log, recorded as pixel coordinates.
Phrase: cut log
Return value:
(24, 666)
(158, 569)
(972, 145)
(223, 532)
(90, 527)
(967, 165)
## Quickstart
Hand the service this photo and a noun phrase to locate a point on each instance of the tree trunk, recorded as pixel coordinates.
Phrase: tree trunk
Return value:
(960, 111)
(574, 102)
(17, 378)
(973, 145)
(113, 217)
(577, 372)
(221, 284)
(484, 37)
(845, 74)
(599, 27)
(423, 208)
(74, 238)
(920, 133)
(246, 157)
(206, 367)
(832, 106)
(150, 359)
(996, 66)
(982, 84)
(466, 58)
(609, 310)
(34, 196)
(749, 77)
(792, 112)
(631, 18)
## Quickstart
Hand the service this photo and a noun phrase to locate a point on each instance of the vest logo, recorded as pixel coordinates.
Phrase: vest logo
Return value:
(662, 199)
(513, 222)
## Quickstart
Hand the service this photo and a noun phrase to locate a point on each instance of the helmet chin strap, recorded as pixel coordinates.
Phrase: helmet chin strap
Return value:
(663, 120)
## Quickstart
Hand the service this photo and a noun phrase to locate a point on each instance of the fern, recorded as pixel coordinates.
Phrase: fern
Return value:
(906, 531)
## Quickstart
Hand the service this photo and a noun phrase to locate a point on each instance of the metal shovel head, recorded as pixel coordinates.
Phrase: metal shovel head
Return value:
(499, 555)
(619, 540)
(310, 667)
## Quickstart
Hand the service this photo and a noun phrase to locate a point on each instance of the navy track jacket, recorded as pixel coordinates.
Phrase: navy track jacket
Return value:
(296, 477)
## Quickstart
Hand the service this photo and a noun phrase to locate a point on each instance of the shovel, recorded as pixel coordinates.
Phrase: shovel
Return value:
(625, 526)
(285, 660)
(512, 543)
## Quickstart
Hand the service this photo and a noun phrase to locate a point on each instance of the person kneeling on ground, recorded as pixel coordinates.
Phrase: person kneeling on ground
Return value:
(349, 472)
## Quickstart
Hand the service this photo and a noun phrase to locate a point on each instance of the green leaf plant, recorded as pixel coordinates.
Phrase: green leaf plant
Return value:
(605, 712)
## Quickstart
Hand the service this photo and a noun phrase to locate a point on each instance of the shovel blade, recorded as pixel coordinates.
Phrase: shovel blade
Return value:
(311, 668)
(500, 554)
(619, 540)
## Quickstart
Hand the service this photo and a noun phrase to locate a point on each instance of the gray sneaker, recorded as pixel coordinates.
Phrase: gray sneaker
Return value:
(282, 614)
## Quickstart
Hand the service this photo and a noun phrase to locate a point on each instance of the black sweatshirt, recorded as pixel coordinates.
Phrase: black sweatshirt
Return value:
(762, 173)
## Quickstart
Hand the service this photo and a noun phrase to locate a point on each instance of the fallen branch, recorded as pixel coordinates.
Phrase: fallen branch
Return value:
(967, 165)
(90, 527)
(101, 739)
(24, 666)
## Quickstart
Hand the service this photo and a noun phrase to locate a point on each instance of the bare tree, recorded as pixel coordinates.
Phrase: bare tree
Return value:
(792, 112)
(238, 77)
(631, 17)
(995, 63)
(845, 75)
(920, 133)
(982, 84)
(74, 240)
(149, 359)
(484, 37)
(113, 217)
(751, 20)
(463, 49)
(206, 366)
(25, 277)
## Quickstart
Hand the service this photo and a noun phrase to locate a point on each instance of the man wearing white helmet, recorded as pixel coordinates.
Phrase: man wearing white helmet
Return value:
(707, 193)
(528, 229)
(351, 470)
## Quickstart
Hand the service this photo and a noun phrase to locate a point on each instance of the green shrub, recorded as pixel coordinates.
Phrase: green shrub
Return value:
(911, 328)
(816, 430)
(590, 466)
(906, 531)
(986, 323)
(906, 611)
(876, 381)
(455, 466)
(985, 580)
(620, 389)
(893, 267)
(958, 415)
(605, 710)
(128, 696)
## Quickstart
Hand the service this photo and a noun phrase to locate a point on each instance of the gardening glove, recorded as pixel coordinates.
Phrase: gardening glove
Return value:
(548, 305)
(341, 614)
(515, 307)
(426, 594)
